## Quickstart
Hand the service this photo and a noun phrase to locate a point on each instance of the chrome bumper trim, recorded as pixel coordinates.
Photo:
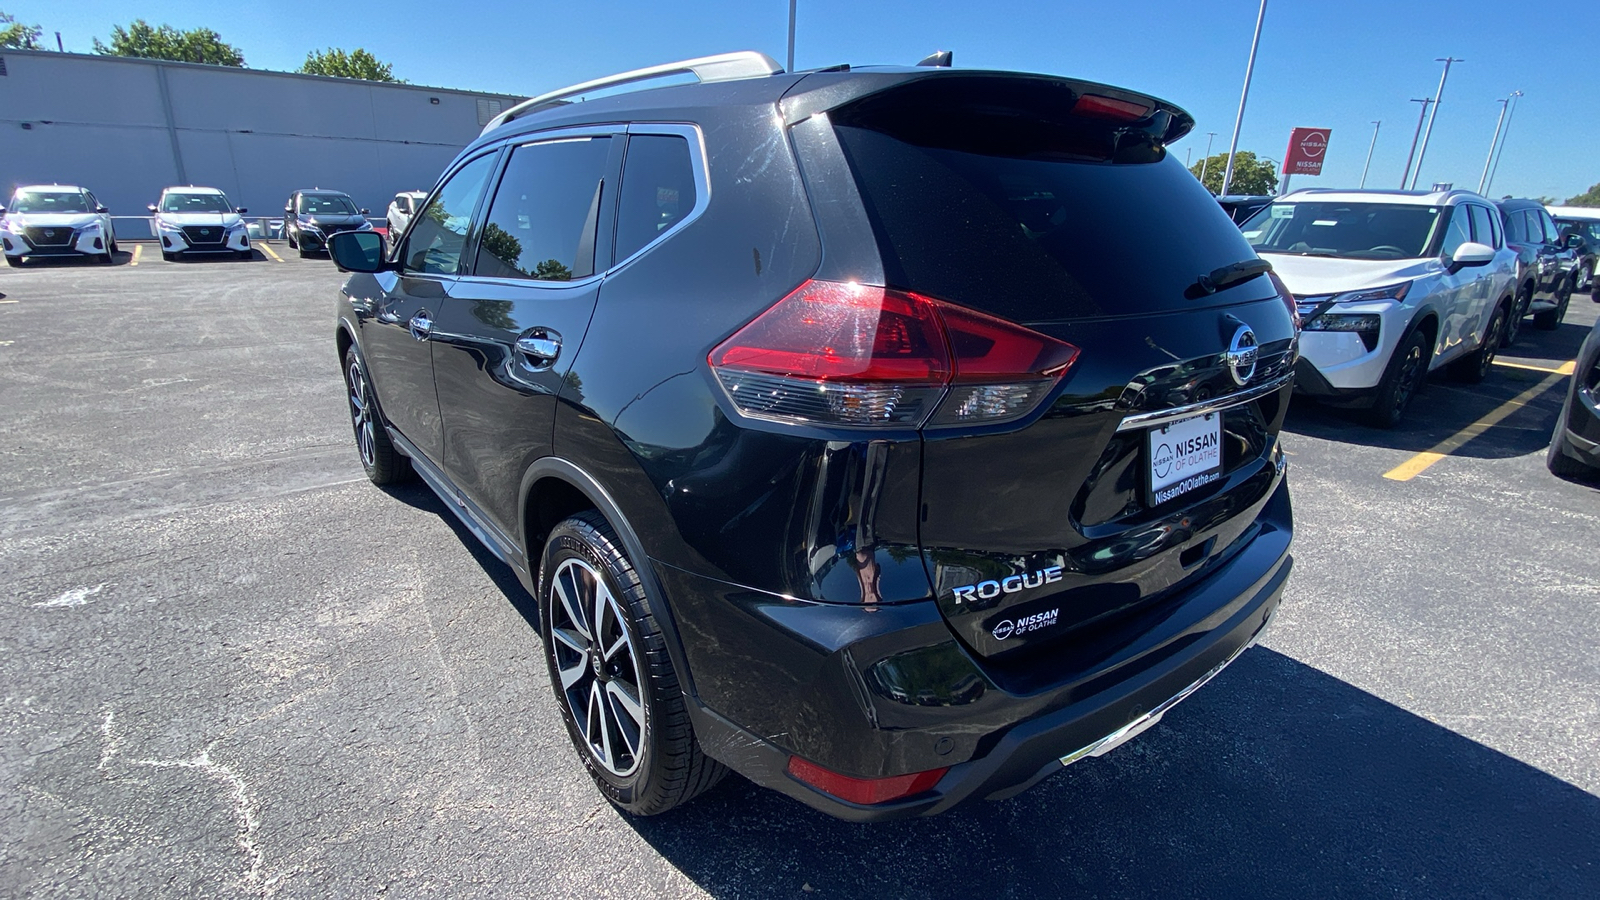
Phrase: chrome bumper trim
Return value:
(1215, 404)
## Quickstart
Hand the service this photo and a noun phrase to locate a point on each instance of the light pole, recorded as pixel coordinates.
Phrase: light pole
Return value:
(1205, 163)
(1505, 136)
(1370, 147)
(1412, 154)
(1438, 98)
(1493, 142)
(1250, 67)
(790, 66)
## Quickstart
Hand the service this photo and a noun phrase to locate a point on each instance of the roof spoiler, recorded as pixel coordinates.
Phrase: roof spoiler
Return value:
(722, 67)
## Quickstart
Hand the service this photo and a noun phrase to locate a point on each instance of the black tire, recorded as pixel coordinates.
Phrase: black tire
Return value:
(383, 464)
(1519, 310)
(18, 261)
(1402, 380)
(585, 562)
(1550, 319)
(304, 253)
(247, 254)
(1475, 366)
(169, 257)
(1560, 464)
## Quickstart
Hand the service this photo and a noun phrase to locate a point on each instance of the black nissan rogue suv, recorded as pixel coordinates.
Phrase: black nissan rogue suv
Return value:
(890, 436)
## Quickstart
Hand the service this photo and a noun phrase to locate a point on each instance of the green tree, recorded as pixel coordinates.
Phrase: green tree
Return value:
(1591, 197)
(552, 270)
(199, 45)
(358, 63)
(16, 36)
(1250, 175)
(504, 246)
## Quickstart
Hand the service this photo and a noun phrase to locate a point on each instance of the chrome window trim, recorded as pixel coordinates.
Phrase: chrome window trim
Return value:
(702, 181)
(1215, 404)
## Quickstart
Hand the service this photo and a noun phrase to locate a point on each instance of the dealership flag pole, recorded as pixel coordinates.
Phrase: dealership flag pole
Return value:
(1375, 126)
(1438, 98)
(1250, 67)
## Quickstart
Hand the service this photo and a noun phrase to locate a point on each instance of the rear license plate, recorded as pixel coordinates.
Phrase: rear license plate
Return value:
(1184, 455)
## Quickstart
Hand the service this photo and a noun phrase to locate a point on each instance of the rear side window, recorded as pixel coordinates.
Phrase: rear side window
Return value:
(1515, 230)
(658, 190)
(436, 238)
(541, 224)
(1013, 225)
(1482, 231)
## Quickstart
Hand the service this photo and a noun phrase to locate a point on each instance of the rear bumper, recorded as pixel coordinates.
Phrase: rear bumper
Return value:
(887, 691)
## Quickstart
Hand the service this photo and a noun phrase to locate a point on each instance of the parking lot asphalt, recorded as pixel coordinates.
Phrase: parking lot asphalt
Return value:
(232, 667)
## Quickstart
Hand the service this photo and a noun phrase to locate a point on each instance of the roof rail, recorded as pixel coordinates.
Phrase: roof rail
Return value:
(722, 67)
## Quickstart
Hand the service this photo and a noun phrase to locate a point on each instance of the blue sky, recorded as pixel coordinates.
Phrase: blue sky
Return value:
(1338, 64)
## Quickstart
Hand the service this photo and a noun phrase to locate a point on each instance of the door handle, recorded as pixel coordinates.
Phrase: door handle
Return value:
(539, 347)
(420, 325)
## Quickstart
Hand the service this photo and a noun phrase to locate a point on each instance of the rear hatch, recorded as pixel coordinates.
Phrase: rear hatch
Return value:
(1054, 204)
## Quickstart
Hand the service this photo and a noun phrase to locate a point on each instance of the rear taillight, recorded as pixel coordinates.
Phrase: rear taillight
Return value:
(855, 354)
(865, 791)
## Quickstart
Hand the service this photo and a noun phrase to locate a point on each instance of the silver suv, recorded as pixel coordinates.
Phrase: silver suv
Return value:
(1390, 285)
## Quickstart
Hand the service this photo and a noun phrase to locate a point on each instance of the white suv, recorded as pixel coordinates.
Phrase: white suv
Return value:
(193, 219)
(1390, 285)
(55, 220)
(401, 209)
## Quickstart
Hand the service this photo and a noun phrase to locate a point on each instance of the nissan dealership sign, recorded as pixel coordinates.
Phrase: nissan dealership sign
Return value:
(1307, 147)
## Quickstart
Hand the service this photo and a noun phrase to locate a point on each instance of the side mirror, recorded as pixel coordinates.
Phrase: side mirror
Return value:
(102, 210)
(1471, 254)
(241, 210)
(366, 212)
(150, 206)
(2, 210)
(358, 251)
(1572, 241)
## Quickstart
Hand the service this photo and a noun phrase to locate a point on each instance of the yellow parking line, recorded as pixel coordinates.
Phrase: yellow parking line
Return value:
(1414, 466)
(268, 250)
(137, 250)
(1566, 368)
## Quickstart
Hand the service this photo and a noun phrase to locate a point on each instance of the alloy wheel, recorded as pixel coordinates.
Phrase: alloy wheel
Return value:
(601, 678)
(361, 413)
(1406, 383)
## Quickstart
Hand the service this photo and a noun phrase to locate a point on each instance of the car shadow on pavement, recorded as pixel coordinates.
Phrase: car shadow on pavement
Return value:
(419, 495)
(1445, 406)
(1275, 781)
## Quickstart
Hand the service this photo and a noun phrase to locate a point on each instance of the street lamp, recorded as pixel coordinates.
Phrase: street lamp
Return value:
(1205, 163)
(790, 67)
(1412, 154)
(1438, 98)
(1492, 142)
(1505, 136)
(1250, 67)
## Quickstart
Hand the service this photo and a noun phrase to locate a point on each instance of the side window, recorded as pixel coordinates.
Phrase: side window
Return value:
(1551, 236)
(1459, 231)
(437, 237)
(658, 190)
(1531, 226)
(1482, 231)
(400, 203)
(542, 222)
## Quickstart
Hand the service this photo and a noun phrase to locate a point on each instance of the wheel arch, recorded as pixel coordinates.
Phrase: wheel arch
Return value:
(554, 488)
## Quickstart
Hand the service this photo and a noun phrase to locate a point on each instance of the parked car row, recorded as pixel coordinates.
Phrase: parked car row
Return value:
(67, 220)
(1392, 285)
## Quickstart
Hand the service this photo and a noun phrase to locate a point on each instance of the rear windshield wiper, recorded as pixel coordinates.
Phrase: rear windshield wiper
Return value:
(1228, 276)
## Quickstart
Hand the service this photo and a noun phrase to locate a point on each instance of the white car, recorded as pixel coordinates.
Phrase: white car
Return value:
(55, 220)
(1390, 286)
(401, 209)
(192, 219)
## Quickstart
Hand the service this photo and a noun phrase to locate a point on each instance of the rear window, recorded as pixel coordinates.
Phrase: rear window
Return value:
(1026, 223)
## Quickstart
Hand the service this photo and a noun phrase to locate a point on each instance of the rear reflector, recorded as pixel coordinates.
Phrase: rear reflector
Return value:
(854, 354)
(1099, 107)
(865, 791)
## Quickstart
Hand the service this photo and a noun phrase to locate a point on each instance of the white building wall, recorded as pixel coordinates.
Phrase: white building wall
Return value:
(103, 122)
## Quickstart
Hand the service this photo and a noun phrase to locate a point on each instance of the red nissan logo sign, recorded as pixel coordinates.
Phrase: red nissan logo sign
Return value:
(1307, 147)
